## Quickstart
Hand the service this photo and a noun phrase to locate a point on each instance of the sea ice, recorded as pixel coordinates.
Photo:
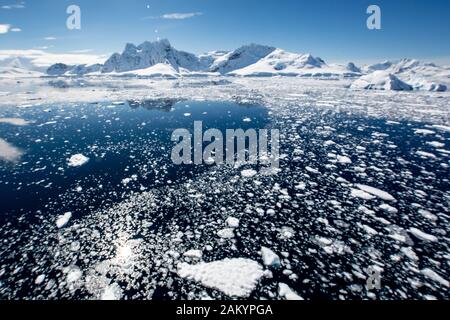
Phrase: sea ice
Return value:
(62, 220)
(77, 160)
(236, 277)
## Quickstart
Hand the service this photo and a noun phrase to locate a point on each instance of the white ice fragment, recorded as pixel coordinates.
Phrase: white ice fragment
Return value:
(270, 258)
(232, 222)
(39, 279)
(226, 233)
(376, 192)
(435, 277)
(197, 254)
(388, 208)
(62, 220)
(422, 235)
(361, 194)
(77, 160)
(234, 277)
(248, 173)
(112, 292)
(286, 292)
(344, 160)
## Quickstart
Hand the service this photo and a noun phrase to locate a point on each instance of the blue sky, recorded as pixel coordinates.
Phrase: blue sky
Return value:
(332, 29)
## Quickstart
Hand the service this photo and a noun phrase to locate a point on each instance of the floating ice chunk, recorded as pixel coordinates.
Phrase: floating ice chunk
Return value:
(422, 235)
(77, 160)
(197, 254)
(428, 215)
(435, 277)
(440, 127)
(287, 233)
(39, 279)
(388, 208)
(425, 154)
(248, 173)
(15, 121)
(344, 160)
(8, 152)
(247, 119)
(424, 131)
(270, 258)
(187, 114)
(286, 292)
(74, 274)
(234, 277)
(312, 170)
(232, 222)
(409, 252)
(361, 194)
(226, 233)
(376, 192)
(112, 292)
(62, 220)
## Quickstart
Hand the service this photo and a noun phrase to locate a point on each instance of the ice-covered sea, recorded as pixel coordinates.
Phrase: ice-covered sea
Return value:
(93, 208)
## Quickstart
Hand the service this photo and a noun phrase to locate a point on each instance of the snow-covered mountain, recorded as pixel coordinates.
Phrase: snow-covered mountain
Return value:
(419, 75)
(240, 58)
(149, 54)
(283, 63)
(381, 80)
(160, 59)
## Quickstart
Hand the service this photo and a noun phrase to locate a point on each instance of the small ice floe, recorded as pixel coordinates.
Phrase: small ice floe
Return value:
(15, 121)
(73, 274)
(424, 154)
(232, 222)
(287, 293)
(435, 277)
(247, 119)
(436, 144)
(187, 114)
(387, 208)
(419, 234)
(409, 252)
(428, 215)
(39, 279)
(77, 160)
(270, 258)
(196, 254)
(442, 128)
(234, 277)
(376, 192)
(248, 173)
(8, 152)
(286, 233)
(112, 292)
(361, 194)
(424, 131)
(344, 160)
(312, 170)
(227, 233)
(63, 220)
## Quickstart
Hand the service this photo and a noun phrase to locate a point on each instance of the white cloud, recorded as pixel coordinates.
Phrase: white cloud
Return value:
(43, 59)
(4, 28)
(20, 5)
(82, 51)
(15, 30)
(50, 38)
(176, 16)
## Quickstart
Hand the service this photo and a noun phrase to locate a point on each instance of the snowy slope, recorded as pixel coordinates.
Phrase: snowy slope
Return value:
(381, 80)
(240, 58)
(284, 63)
